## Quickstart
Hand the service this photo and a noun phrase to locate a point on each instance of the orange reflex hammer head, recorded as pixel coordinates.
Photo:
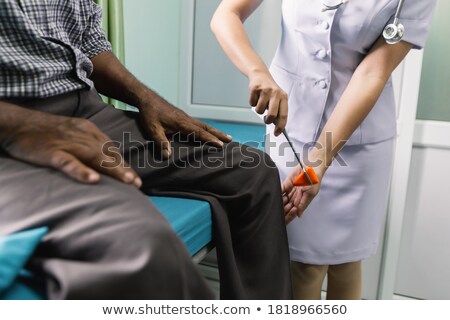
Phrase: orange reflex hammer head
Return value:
(302, 181)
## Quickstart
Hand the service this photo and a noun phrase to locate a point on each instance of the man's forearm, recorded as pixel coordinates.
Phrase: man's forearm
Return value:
(158, 116)
(112, 79)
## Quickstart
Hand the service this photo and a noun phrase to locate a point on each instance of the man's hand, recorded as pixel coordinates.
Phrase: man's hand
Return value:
(74, 146)
(160, 118)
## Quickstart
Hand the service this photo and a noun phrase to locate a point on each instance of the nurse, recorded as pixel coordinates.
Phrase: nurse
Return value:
(333, 69)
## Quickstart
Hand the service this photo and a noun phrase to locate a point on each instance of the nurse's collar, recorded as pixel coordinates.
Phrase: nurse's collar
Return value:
(327, 7)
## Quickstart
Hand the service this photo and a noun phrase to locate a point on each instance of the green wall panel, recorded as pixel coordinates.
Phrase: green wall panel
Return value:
(152, 37)
(434, 98)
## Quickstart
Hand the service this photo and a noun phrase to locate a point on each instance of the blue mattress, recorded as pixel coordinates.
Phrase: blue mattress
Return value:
(191, 219)
(25, 288)
(249, 134)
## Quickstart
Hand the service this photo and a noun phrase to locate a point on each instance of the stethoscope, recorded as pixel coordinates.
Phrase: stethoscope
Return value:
(392, 33)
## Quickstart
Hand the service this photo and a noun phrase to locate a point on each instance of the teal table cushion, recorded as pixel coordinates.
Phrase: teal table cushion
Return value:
(26, 287)
(15, 250)
(191, 220)
(250, 134)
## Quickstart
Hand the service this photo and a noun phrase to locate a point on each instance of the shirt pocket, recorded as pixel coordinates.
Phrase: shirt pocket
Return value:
(283, 78)
(36, 15)
(305, 102)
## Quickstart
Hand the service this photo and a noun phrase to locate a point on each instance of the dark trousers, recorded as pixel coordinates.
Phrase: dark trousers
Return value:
(107, 241)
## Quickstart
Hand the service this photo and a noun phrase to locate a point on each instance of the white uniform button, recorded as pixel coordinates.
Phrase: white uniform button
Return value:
(322, 84)
(325, 25)
(321, 54)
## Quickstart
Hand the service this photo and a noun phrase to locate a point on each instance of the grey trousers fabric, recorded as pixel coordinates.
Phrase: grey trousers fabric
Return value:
(107, 241)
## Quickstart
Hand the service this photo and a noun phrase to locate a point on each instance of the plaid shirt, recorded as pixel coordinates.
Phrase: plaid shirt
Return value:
(45, 46)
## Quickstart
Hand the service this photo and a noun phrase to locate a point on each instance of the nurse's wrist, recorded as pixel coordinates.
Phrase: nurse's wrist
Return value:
(258, 71)
(317, 159)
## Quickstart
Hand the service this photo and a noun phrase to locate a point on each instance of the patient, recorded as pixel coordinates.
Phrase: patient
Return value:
(62, 165)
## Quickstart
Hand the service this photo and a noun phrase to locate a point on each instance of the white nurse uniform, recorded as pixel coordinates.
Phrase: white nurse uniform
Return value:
(315, 60)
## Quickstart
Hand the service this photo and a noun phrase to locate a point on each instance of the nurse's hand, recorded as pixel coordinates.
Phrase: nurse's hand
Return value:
(297, 199)
(265, 94)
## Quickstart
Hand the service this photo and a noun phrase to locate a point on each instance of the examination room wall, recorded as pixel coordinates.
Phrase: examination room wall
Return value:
(152, 43)
(154, 38)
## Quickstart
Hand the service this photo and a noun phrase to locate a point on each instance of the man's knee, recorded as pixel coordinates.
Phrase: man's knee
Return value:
(258, 164)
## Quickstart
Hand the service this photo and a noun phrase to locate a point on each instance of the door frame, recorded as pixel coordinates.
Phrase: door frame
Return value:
(406, 120)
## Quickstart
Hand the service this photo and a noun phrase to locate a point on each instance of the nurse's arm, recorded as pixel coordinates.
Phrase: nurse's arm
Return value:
(360, 96)
(265, 94)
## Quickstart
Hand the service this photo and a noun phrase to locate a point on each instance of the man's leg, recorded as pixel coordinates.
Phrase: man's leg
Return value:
(106, 241)
(241, 184)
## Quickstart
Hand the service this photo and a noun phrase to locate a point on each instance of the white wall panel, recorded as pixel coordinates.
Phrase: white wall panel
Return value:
(424, 262)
